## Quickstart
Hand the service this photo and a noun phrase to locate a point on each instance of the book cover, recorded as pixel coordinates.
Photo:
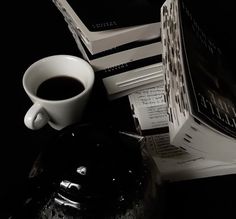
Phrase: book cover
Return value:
(105, 15)
(208, 68)
(199, 80)
(98, 41)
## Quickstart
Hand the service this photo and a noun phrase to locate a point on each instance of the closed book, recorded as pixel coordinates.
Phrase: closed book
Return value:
(123, 79)
(109, 15)
(122, 54)
(199, 78)
(101, 40)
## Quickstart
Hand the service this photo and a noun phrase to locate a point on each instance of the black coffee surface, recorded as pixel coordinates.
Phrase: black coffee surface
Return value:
(59, 88)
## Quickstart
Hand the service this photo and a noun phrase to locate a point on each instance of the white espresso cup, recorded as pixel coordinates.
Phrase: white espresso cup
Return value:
(59, 87)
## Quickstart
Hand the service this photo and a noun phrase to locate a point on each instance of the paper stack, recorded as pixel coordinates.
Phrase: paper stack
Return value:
(121, 40)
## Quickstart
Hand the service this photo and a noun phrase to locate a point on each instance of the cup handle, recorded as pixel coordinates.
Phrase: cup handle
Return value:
(36, 117)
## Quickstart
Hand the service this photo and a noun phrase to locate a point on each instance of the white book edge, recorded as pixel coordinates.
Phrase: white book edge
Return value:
(133, 78)
(122, 57)
(200, 140)
(212, 168)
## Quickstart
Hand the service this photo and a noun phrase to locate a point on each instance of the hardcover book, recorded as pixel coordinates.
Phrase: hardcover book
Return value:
(199, 78)
(143, 28)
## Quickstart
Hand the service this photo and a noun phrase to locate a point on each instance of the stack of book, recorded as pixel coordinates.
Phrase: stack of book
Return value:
(121, 40)
(194, 136)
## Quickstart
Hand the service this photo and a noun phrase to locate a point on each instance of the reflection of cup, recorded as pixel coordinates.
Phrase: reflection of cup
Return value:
(48, 82)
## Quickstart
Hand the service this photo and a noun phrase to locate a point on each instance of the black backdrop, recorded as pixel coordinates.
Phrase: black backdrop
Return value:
(30, 30)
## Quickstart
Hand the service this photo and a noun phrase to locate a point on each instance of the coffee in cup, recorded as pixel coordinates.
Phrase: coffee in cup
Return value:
(59, 87)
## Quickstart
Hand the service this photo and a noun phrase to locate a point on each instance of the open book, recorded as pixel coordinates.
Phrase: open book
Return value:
(200, 79)
(106, 26)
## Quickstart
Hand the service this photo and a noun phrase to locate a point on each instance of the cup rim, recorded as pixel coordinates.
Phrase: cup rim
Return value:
(86, 90)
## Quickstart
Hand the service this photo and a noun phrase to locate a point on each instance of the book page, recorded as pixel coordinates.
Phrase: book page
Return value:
(150, 107)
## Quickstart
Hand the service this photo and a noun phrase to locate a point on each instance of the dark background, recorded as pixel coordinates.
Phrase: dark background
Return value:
(32, 30)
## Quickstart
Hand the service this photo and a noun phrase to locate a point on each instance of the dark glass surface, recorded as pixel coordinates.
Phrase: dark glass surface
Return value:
(90, 171)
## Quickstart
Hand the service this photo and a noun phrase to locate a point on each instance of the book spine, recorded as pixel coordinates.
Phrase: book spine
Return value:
(128, 66)
(175, 87)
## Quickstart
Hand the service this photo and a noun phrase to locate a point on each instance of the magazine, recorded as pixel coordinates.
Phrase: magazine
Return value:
(199, 80)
